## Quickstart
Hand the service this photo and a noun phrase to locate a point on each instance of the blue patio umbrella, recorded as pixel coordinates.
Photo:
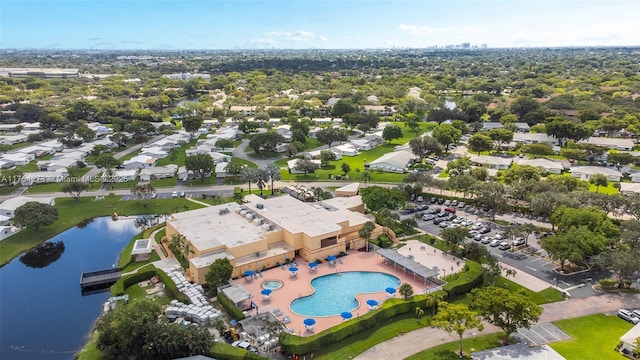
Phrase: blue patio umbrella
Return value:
(346, 315)
(372, 302)
(234, 322)
(313, 264)
(390, 290)
(331, 258)
(249, 273)
(265, 292)
(309, 321)
(293, 269)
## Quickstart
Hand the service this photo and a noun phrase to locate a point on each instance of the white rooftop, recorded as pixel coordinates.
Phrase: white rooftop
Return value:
(544, 163)
(590, 170)
(630, 187)
(484, 159)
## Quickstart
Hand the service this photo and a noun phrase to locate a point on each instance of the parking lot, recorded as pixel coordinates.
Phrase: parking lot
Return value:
(176, 194)
(529, 258)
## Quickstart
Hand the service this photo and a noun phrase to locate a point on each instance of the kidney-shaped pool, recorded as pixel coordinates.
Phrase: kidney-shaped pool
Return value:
(336, 293)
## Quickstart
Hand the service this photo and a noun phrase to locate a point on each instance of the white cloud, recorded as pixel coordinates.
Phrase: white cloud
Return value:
(262, 42)
(298, 36)
(423, 30)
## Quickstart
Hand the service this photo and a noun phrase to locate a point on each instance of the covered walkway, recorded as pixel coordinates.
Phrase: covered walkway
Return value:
(408, 265)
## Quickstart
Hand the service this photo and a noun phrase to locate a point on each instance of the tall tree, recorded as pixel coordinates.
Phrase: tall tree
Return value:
(507, 310)
(457, 318)
(377, 197)
(454, 236)
(34, 215)
(432, 300)
(422, 146)
(274, 174)
(500, 137)
(249, 175)
(345, 167)
(564, 129)
(365, 232)
(262, 177)
(306, 166)
(491, 195)
(392, 132)
(598, 180)
(446, 134)
(219, 274)
(480, 142)
(201, 165)
(74, 189)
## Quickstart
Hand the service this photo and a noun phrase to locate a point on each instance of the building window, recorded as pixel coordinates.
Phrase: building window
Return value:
(328, 241)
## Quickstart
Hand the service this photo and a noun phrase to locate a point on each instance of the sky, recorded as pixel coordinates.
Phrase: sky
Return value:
(315, 24)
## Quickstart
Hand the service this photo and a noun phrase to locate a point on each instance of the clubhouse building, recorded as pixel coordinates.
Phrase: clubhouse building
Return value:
(264, 233)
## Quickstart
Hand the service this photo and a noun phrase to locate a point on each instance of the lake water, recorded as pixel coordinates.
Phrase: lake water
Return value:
(43, 314)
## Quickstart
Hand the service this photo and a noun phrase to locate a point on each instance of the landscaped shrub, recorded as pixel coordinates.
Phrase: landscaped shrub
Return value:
(230, 307)
(469, 278)
(170, 287)
(608, 284)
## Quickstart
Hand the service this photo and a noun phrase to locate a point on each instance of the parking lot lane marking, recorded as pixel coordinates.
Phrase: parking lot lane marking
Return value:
(529, 267)
(536, 259)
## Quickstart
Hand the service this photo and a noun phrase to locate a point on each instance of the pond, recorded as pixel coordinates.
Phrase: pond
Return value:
(43, 314)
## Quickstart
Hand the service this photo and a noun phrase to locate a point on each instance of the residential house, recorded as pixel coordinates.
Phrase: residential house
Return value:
(316, 154)
(154, 152)
(53, 144)
(7, 230)
(379, 110)
(6, 164)
(13, 139)
(30, 127)
(219, 157)
(635, 177)
(183, 174)
(550, 166)
(106, 142)
(36, 150)
(158, 172)
(19, 159)
(140, 162)
(120, 175)
(221, 170)
(44, 177)
(630, 339)
(8, 207)
(244, 110)
(345, 150)
(491, 162)
(285, 131)
(61, 164)
(630, 189)
(521, 127)
(10, 128)
(313, 132)
(100, 129)
(610, 143)
(534, 138)
(396, 161)
(585, 172)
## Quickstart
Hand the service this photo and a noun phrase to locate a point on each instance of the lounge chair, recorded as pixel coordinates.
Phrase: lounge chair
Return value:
(286, 320)
(277, 312)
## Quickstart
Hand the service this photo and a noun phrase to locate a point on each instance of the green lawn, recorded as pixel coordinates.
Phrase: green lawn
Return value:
(180, 155)
(158, 183)
(358, 343)
(593, 337)
(545, 296)
(72, 213)
(449, 351)
(609, 189)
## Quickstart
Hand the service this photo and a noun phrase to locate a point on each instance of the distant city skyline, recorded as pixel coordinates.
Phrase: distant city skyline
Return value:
(320, 24)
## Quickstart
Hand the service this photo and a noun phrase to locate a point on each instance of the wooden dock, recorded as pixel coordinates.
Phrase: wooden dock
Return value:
(100, 278)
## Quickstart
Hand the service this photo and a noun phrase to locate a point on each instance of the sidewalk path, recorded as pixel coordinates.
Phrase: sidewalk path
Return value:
(416, 341)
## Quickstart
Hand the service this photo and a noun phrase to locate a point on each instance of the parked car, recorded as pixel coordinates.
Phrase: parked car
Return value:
(245, 345)
(433, 200)
(443, 214)
(444, 224)
(518, 242)
(504, 246)
(427, 217)
(440, 201)
(494, 243)
(447, 202)
(174, 194)
(454, 203)
(458, 220)
(636, 313)
(154, 195)
(484, 230)
(461, 205)
(628, 316)
(486, 240)
(423, 207)
(476, 226)
(437, 221)
(182, 194)
(420, 199)
(450, 210)
(499, 236)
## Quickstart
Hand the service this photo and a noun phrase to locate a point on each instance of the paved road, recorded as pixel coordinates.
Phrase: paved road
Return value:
(416, 341)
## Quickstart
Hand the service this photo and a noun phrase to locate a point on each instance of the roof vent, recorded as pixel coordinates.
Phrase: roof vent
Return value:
(259, 206)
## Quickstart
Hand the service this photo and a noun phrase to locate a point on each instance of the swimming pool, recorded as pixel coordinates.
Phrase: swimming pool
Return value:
(336, 293)
(272, 284)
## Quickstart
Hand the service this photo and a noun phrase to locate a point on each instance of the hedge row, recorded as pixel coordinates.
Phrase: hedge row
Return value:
(230, 307)
(225, 351)
(466, 280)
(292, 344)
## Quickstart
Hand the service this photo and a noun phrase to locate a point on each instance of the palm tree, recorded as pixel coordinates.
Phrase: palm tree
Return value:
(366, 176)
(365, 232)
(249, 175)
(432, 301)
(261, 177)
(419, 312)
(274, 174)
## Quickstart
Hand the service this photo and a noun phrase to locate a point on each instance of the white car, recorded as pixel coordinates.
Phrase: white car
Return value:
(495, 243)
(427, 217)
(174, 194)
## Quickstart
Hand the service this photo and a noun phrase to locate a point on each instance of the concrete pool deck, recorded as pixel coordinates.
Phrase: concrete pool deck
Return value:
(298, 286)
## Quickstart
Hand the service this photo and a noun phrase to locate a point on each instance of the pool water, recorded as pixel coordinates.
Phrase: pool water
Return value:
(336, 293)
(272, 284)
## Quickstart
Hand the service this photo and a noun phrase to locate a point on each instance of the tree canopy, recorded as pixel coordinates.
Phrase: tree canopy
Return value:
(201, 165)
(33, 215)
